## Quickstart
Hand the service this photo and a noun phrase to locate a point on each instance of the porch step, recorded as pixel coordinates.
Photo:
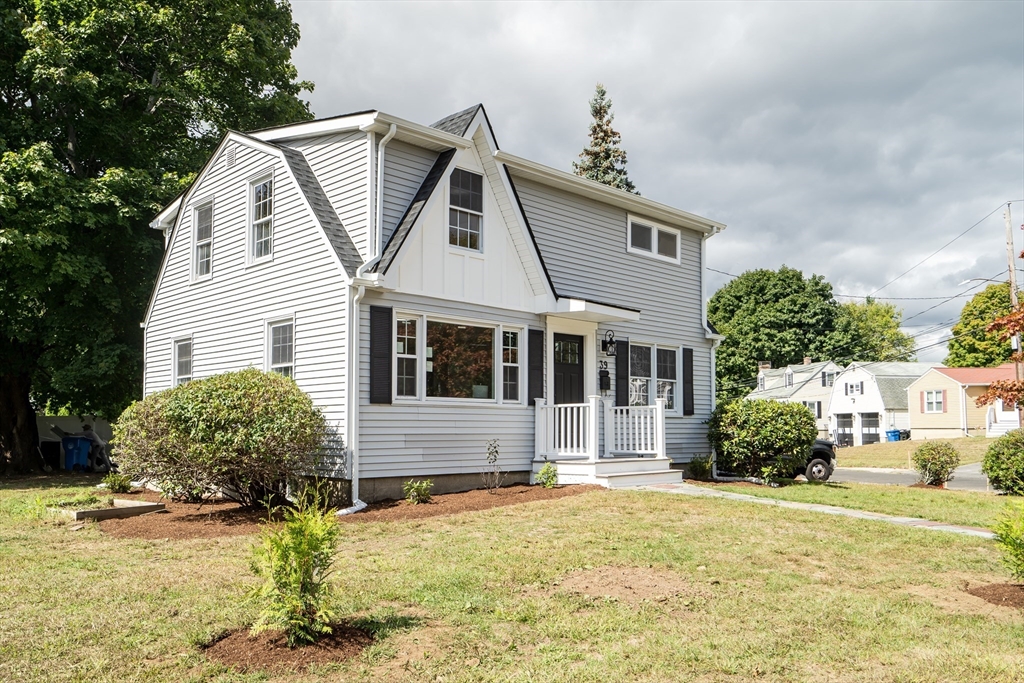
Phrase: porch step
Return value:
(620, 480)
(611, 465)
(1000, 428)
(616, 473)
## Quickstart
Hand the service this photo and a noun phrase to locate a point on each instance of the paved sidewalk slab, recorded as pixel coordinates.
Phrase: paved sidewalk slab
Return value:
(702, 492)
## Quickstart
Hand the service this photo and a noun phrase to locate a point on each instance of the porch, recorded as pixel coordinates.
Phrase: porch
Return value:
(597, 442)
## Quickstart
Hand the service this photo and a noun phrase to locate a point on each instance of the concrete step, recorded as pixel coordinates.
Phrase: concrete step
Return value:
(612, 465)
(624, 479)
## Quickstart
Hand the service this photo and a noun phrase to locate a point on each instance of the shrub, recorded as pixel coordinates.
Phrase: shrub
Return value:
(548, 476)
(1004, 463)
(702, 467)
(493, 475)
(750, 436)
(1010, 538)
(294, 563)
(244, 433)
(417, 492)
(935, 461)
(118, 483)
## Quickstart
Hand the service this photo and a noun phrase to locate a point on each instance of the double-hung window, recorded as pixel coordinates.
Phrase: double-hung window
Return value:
(182, 361)
(262, 230)
(760, 383)
(933, 401)
(202, 259)
(465, 209)
(814, 407)
(282, 347)
(828, 379)
(652, 367)
(439, 359)
(652, 240)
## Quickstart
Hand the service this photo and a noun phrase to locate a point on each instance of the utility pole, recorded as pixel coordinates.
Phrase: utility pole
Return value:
(1012, 261)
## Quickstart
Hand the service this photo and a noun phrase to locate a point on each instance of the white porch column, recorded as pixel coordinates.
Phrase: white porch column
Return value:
(593, 416)
(540, 429)
(609, 427)
(659, 429)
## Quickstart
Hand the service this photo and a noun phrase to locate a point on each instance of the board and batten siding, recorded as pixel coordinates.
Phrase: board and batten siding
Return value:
(405, 167)
(426, 438)
(341, 164)
(583, 243)
(226, 315)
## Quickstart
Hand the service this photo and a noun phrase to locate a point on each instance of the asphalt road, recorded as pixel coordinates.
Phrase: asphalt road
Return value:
(965, 478)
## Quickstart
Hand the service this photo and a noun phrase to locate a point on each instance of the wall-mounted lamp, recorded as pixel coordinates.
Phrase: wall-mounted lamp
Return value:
(608, 343)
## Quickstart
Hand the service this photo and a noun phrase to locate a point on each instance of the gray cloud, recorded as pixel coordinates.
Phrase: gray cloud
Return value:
(849, 140)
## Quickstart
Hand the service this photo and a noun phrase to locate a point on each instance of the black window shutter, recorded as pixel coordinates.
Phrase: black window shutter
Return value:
(535, 361)
(823, 379)
(622, 372)
(687, 381)
(380, 354)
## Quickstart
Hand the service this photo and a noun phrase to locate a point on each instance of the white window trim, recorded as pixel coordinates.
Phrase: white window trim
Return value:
(174, 359)
(630, 219)
(935, 402)
(250, 227)
(194, 242)
(447, 213)
(652, 393)
(268, 325)
(497, 376)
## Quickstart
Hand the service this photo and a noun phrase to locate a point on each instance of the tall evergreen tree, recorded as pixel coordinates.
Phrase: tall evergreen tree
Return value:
(603, 160)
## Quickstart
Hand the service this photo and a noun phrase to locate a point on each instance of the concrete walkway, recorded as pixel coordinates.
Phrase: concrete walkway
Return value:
(704, 492)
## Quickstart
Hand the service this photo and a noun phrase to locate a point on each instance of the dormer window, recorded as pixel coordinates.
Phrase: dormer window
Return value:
(465, 209)
(828, 379)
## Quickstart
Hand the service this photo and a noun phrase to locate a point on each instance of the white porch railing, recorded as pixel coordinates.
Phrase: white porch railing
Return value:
(572, 430)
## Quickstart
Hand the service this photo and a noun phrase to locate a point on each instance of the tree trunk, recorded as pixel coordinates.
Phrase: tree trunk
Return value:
(19, 435)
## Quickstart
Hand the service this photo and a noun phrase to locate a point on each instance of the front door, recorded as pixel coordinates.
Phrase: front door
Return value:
(568, 358)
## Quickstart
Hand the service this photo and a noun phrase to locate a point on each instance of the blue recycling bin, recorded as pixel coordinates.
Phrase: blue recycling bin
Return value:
(76, 452)
(892, 435)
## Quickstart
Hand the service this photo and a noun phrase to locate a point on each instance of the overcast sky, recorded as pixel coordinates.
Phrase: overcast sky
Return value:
(847, 140)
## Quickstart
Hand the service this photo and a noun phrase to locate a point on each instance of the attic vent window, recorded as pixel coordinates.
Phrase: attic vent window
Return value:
(465, 209)
(649, 239)
(229, 156)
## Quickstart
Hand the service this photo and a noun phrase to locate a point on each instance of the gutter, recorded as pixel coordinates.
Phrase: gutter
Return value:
(377, 229)
(352, 391)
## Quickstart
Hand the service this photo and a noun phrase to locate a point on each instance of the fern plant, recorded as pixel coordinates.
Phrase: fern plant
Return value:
(294, 563)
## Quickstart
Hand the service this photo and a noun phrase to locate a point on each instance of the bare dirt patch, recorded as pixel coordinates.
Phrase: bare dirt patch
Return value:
(467, 501)
(269, 651)
(965, 600)
(631, 585)
(1002, 594)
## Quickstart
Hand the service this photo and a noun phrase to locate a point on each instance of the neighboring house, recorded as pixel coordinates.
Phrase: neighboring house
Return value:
(431, 292)
(869, 399)
(942, 404)
(808, 383)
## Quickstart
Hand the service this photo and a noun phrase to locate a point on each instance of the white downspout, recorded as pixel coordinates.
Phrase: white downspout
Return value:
(354, 365)
(963, 409)
(715, 341)
(377, 229)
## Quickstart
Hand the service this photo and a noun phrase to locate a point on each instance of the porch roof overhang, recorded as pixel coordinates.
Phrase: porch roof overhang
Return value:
(592, 311)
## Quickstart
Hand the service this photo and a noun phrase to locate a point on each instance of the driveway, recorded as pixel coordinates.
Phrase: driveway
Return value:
(965, 478)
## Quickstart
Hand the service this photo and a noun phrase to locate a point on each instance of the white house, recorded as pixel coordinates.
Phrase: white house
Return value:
(808, 383)
(869, 399)
(432, 292)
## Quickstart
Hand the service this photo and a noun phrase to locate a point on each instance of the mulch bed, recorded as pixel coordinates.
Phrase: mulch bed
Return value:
(227, 518)
(269, 651)
(1002, 594)
(467, 501)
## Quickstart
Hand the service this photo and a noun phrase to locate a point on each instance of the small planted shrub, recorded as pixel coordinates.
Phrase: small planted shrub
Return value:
(548, 476)
(242, 433)
(701, 467)
(417, 492)
(1010, 539)
(935, 461)
(761, 438)
(118, 483)
(294, 562)
(493, 475)
(1004, 463)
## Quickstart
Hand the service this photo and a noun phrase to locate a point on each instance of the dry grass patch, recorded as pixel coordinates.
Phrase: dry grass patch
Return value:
(896, 454)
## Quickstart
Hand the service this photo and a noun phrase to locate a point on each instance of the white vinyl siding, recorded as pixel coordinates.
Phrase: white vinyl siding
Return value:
(229, 313)
(405, 167)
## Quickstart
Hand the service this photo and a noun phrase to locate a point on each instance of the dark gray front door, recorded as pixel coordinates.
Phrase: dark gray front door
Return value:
(568, 359)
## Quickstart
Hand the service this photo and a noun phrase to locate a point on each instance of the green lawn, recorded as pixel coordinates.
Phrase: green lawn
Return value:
(773, 595)
(896, 453)
(953, 507)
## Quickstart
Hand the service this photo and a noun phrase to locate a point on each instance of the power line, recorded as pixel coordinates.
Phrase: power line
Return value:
(930, 308)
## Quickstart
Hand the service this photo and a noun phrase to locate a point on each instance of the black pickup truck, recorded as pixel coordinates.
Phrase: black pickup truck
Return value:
(820, 462)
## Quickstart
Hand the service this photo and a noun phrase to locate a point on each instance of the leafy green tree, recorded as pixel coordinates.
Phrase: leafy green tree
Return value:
(972, 345)
(870, 331)
(602, 159)
(109, 107)
(766, 315)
